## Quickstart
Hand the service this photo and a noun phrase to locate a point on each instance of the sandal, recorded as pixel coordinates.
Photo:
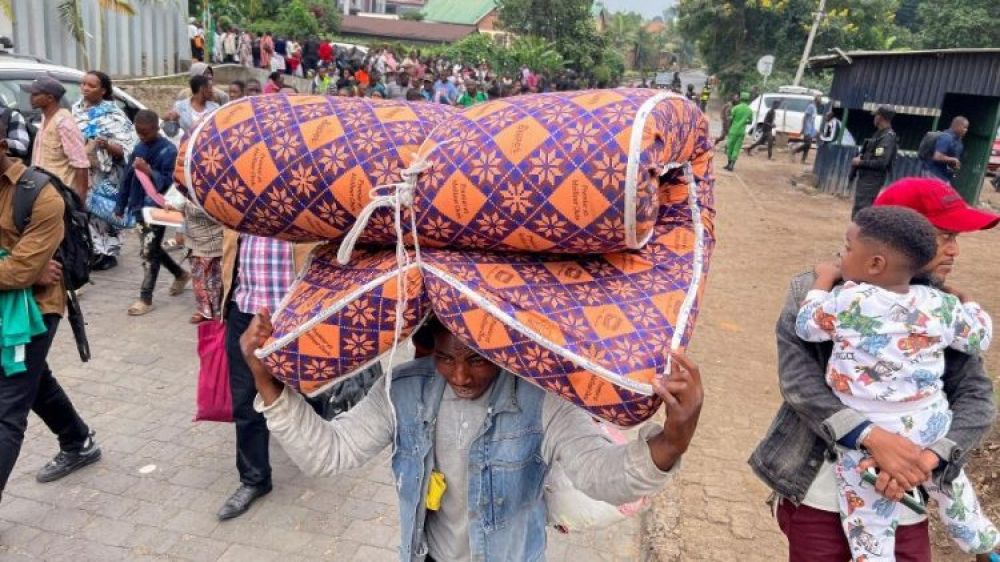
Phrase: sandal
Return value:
(179, 284)
(139, 308)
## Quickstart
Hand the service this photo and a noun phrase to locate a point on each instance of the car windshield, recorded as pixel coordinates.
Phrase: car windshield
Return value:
(11, 94)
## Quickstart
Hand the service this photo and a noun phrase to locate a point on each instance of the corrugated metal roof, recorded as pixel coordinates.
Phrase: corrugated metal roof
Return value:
(920, 79)
(467, 12)
(841, 57)
(403, 29)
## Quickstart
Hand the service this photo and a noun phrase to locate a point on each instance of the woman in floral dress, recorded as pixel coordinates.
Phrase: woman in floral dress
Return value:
(110, 138)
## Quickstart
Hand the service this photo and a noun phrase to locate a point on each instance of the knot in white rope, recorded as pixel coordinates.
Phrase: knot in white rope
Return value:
(399, 195)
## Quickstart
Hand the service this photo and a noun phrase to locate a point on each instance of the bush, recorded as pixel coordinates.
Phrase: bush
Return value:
(601, 76)
(412, 15)
(326, 14)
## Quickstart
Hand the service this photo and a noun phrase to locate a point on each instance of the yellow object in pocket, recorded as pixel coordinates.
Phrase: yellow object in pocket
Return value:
(435, 489)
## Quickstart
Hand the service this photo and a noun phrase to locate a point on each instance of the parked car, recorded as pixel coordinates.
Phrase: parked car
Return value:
(18, 70)
(993, 167)
(788, 117)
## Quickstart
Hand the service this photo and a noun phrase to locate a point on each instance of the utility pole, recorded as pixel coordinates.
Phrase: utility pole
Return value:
(809, 43)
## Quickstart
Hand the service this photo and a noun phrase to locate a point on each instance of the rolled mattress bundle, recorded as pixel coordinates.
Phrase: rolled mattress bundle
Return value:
(564, 236)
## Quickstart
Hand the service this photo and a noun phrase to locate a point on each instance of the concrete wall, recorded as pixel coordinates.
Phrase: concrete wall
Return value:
(153, 42)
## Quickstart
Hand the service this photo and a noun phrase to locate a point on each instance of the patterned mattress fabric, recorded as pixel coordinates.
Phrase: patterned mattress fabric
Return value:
(533, 247)
(337, 320)
(563, 172)
(595, 330)
(300, 167)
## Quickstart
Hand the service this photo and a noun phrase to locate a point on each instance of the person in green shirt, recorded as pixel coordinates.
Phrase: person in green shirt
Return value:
(739, 119)
(472, 95)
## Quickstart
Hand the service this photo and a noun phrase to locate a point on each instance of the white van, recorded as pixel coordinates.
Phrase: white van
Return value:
(788, 117)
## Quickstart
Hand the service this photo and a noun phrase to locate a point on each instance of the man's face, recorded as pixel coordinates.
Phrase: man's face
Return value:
(961, 128)
(40, 100)
(235, 92)
(253, 89)
(468, 374)
(147, 132)
(947, 253)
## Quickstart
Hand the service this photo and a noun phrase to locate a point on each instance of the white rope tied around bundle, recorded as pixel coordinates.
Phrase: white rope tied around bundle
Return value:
(401, 196)
(697, 265)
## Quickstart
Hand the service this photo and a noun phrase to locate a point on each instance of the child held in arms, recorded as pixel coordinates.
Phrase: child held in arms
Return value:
(888, 360)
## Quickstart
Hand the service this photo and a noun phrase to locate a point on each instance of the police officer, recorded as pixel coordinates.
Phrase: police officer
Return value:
(874, 164)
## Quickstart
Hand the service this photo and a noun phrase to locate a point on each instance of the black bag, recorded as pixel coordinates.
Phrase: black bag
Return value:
(77, 248)
(346, 394)
(926, 149)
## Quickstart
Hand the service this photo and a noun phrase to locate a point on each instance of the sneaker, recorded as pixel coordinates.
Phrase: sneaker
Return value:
(139, 308)
(180, 284)
(104, 263)
(66, 463)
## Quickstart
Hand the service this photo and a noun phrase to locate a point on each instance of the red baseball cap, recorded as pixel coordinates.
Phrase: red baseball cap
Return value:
(939, 202)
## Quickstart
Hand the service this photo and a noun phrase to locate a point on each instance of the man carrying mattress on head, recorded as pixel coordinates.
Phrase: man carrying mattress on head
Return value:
(472, 445)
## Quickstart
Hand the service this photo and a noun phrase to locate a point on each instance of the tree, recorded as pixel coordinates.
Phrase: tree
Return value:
(946, 24)
(567, 24)
(732, 34)
(538, 54)
(550, 19)
(622, 29)
(327, 14)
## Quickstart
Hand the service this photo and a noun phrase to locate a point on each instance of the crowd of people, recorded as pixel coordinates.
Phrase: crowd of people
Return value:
(120, 166)
(349, 70)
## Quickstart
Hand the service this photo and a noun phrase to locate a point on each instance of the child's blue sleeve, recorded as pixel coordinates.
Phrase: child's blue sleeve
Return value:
(817, 318)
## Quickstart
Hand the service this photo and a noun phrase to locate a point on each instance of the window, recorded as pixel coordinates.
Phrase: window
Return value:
(795, 104)
(11, 95)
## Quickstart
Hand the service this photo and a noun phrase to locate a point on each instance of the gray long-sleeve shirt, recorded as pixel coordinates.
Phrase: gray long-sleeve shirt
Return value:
(613, 473)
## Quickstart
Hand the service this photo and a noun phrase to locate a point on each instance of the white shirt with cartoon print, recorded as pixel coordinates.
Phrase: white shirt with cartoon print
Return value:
(888, 346)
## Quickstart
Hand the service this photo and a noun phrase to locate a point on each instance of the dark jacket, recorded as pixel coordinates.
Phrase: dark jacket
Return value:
(812, 419)
(878, 154)
(161, 155)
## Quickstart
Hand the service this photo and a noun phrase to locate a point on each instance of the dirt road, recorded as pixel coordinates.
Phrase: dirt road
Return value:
(768, 230)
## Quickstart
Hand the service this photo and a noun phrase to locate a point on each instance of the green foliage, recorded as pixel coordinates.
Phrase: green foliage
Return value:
(286, 18)
(412, 15)
(948, 24)
(538, 54)
(224, 23)
(732, 34)
(297, 20)
(566, 24)
(327, 14)
(549, 19)
(474, 49)
(602, 76)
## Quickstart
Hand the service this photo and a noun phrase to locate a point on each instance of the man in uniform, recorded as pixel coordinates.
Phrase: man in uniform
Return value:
(873, 166)
(740, 118)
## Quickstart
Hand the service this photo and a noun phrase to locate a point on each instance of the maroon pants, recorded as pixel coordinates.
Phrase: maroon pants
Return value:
(815, 535)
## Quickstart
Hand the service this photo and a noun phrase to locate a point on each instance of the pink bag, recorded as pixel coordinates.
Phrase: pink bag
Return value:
(215, 399)
(147, 185)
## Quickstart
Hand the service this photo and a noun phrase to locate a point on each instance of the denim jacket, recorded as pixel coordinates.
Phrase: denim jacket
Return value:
(812, 419)
(506, 468)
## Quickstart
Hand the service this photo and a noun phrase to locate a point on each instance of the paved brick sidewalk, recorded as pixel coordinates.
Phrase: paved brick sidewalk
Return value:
(155, 493)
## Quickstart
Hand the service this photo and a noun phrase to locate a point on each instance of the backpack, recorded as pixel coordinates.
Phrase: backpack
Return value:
(77, 248)
(5, 116)
(926, 149)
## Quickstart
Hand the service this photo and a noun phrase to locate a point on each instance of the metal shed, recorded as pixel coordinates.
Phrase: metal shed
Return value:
(927, 89)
